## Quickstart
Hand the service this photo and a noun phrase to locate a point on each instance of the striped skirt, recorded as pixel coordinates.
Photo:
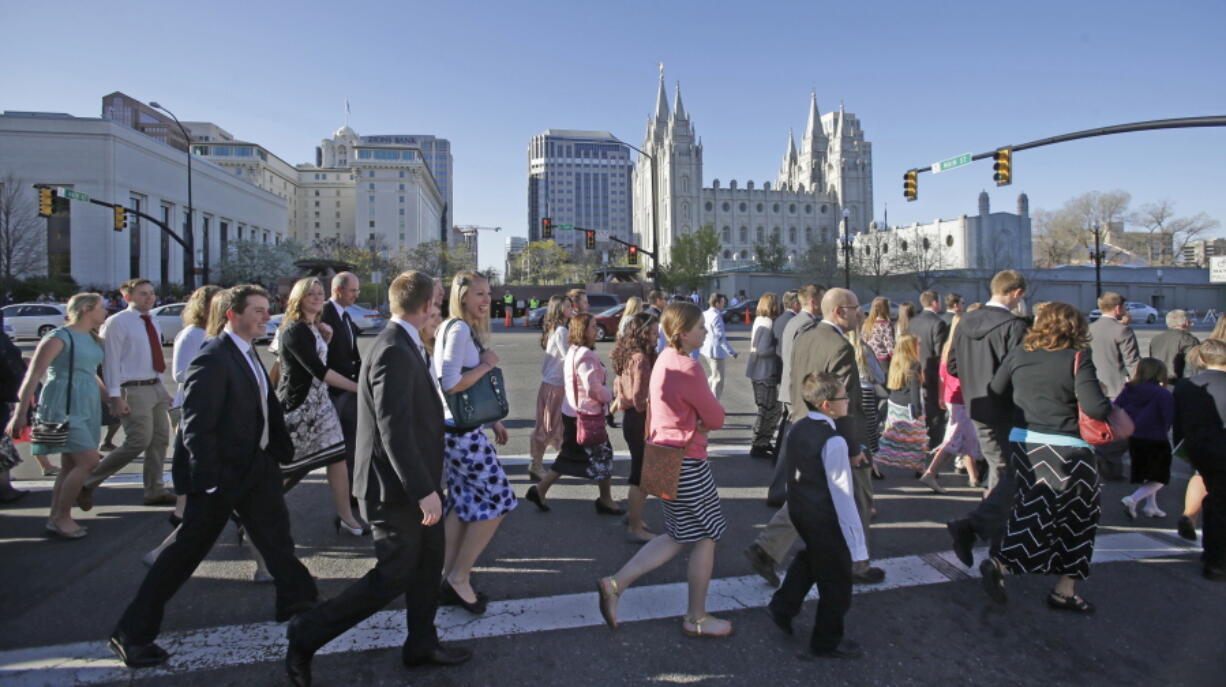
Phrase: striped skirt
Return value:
(868, 408)
(1055, 514)
(695, 514)
(904, 443)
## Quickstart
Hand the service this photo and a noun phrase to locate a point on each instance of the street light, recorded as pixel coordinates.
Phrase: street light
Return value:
(1097, 256)
(189, 262)
(846, 250)
(655, 222)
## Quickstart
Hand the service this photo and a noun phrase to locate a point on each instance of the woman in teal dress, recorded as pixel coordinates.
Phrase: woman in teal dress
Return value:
(75, 341)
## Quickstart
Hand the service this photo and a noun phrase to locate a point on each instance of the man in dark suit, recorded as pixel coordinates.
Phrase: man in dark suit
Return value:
(954, 305)
(932, 332)
(1200, 422)
(343, 356)
(399, 483)
(231, 439)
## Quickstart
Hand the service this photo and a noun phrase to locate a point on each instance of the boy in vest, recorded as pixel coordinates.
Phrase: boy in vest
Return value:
(823, 509)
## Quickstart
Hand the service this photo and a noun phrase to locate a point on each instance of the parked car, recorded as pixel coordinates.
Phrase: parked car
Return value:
(607, 322)
(1139, 312)
(735, 314)
(270, 329)
(170, 321)
(893, 309)
(34, 320)
(598, 302)
(367, 321)
(9, 331)
(536, 317)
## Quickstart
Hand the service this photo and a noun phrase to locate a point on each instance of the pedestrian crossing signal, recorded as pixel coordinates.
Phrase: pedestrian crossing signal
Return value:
(46, 202)
(633, 256)
(121, 218)
(1003, 167)
(910, 185)
(589, 239)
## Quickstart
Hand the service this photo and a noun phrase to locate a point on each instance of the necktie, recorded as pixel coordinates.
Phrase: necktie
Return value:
(155, 345)
(348, 328)
(263, 384)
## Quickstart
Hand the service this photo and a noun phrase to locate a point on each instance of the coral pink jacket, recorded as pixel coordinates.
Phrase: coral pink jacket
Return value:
(680, 397)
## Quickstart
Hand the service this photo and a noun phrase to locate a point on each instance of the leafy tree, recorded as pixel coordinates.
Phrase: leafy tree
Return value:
(435, 258)
(771, 256)
(540, 263)
(23, 245)
(256, 262)
(820, 263)
(690, 259)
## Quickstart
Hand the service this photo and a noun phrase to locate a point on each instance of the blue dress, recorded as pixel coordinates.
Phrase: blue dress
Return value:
(85, 420)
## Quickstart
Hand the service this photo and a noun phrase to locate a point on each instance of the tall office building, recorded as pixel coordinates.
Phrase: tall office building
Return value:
(132, 113)
(581, 178)
(436, 153)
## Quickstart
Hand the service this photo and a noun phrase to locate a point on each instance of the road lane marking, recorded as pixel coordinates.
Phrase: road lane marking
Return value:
(89, 663)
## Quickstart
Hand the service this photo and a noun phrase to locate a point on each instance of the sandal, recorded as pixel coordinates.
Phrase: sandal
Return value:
(607, 607)
(1073, 603)
(697, 631)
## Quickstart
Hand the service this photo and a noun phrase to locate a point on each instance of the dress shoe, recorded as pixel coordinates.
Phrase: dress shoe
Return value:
(932, 483)
(775, 503)
(53, 530)
(964, 540)
(448, 596)
(1154, 512)
(602, 509)
(297, 659)
(13, 496)
(85, 499)
(846, 649)
(867, 575)
(136, 655)
(993, 579)
(534, 496)
(1215, 574)
(343, 527)
(51, 472)
(783, 622)
(440, 656)
(174, 520)
(761, 452)
(1186, 529)
(1130, 507)
(163, 499)
(763, 564)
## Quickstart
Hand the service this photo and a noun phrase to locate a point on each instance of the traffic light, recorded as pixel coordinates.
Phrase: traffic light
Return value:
(1003, 167)
(121, 218)
(633, 256)
(46, 202)
(910, 185)
(546, 228)
(589, 239)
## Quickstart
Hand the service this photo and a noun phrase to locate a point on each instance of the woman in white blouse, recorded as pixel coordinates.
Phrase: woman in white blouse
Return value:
(548, 430)
(478, 493)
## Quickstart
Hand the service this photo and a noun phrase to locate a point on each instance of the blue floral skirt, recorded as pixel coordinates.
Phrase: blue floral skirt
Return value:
(477, 486)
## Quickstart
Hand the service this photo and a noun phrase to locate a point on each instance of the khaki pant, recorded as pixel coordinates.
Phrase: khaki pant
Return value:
(715, 375)
(779, 534)
(146, 429)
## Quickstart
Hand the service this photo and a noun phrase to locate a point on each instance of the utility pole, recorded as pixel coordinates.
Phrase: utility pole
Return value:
(189, 238)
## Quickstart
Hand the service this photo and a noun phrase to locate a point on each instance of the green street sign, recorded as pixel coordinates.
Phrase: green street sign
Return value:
(75, 195)
(945, 165)
(566, 227)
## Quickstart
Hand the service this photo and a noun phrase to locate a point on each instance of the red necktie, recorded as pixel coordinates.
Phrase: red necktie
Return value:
(155, 345)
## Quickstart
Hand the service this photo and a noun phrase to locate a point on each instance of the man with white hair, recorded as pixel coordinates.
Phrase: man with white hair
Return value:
(1171, 346)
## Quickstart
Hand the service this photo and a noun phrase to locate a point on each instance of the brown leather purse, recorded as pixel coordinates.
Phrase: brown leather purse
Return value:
(661, 474)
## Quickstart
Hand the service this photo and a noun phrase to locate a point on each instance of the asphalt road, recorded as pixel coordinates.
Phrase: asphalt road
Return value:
(930, 623)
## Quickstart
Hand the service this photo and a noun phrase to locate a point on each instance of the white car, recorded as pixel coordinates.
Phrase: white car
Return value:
(34, 320)
(1140, 313)
(270, 329)
(366, 320)
(170, 321)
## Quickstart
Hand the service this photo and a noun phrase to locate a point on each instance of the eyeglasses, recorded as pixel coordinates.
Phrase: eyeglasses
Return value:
(841, 398)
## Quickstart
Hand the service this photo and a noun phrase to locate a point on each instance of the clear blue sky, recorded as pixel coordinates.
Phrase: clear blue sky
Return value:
(928, 81)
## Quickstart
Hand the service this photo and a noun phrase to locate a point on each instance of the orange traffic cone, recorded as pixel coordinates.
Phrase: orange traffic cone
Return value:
(509, 322)
(746, 315)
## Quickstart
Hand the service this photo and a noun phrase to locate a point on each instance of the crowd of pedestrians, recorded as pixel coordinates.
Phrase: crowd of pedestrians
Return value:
(1038, 406)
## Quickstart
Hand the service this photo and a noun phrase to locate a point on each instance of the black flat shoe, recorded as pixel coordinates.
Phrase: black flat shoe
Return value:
(1186, 529)
(535, 497)
(448, 596)
(136, 655)
(1073, 603)
(612, 421)
(439, 656)
(993, 581)
(605, 510)
(174, 520)
(963, 536)
(781, 621)
(845, 649)
(297, 659)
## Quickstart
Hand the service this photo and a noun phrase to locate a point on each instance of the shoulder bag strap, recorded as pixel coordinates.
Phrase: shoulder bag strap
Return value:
(72, 349)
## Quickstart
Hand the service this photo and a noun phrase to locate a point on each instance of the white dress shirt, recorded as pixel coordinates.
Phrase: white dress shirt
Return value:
(838, 479)
(716, 344)
(125, 345)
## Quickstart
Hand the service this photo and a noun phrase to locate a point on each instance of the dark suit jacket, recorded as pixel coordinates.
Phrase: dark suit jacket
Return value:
(932, 332)
(343, 353)
(820, 348)
(219, 435)
(399, 453)
(1200, 419)
(1171, 347)
(809, 498)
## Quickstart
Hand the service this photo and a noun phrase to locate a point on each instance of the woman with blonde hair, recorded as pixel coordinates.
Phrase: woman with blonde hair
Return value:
(634, 306)
(478, 493)
(555, 338)
(683, 410)
(72, 394)
(763, 369)
(878, 331)
(301, 346)
(872, 389)
(904, 442)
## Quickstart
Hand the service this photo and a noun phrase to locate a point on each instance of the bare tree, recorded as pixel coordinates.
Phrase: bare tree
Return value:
(1159, 218)
(921, 258)
(23, 237)
(871, 260)
(1066, 236)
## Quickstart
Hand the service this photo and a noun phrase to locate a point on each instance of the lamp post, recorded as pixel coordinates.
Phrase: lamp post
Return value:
(1097, 255)
(655, 222)
(189, 262)
(846, 250)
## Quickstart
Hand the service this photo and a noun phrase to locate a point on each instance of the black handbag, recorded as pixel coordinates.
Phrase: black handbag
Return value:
(56, 433)
(483, 402)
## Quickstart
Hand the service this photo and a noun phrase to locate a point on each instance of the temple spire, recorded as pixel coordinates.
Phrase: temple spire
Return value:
(661, 98)
(678, 108)
(813, 130)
